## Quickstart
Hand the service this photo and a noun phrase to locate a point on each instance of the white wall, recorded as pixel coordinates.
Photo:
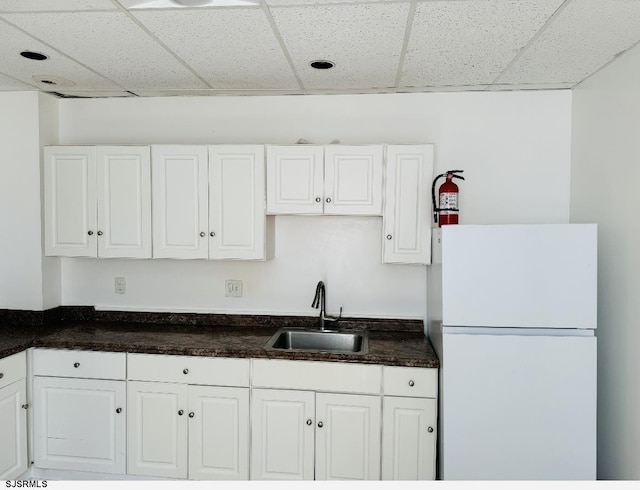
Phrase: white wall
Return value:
(605, 177)
(20, 232)
(513, 146)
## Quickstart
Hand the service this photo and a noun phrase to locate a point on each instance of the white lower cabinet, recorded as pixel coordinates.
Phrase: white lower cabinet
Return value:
(79, 424)
(302, 435)
(13, 430)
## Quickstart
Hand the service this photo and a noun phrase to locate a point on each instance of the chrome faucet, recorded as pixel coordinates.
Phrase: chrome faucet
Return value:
(319, 302)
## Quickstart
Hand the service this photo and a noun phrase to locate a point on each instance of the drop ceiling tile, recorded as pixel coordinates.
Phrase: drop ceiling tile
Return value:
(229, 48)
(280, 3)
(54, 5)
(113, 45)
(9, 84)
(584, 36)
(205, 93)
(530, 86)
(363, 40)
(94, 93)
(13, 41)
(469, 42)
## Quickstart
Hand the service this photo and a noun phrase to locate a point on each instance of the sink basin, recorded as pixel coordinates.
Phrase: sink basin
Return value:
(292, 339)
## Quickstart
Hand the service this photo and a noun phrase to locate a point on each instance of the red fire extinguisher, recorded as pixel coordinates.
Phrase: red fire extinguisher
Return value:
(447, 207)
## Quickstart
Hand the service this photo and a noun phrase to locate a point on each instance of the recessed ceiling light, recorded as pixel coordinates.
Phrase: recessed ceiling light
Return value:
(322, 64)
(174, 4)
(32, 55)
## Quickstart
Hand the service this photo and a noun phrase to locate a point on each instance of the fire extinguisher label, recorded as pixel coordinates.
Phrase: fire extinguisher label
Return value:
(448, 201)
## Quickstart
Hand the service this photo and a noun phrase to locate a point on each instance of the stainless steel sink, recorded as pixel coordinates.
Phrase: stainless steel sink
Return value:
(340, 341)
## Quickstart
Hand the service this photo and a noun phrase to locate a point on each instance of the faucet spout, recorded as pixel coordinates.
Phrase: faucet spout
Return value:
(319, 301)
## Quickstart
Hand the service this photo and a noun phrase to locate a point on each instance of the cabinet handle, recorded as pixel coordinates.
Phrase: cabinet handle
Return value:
(411, 383)
(191, 415)
(309, 422)
(212, 234)
(118, 410)
(320, 424)
(185, 371)
(89, 233)
(389, 237)
(429, 429)
(318, 199)
(76, 364)
(328, 200)
(99, 233)
(25, 406)
(180, 412)
(203, 234)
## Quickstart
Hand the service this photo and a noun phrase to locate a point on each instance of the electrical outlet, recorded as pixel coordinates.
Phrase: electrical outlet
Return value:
(120, 285)
(233, 288)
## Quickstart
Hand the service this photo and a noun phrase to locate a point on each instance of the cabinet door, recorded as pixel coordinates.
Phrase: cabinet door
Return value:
(282, 442)
(79, 424)
(218, 433)
(295, 179)
(157, 442)
(408, 438)
(180, 201)
(13, 430)
(353, 180)
(236, 203)
(124, 201)
(70, 215)
(407, 213)
(347, 437)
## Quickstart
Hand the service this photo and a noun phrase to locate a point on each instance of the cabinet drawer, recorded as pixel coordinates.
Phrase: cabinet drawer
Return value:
(13, 368)
(404, 381)
(318, 376)
(79, 364)
(218, 371)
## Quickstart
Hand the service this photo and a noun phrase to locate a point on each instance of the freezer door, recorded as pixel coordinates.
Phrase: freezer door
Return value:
(518, 408)
(519, 276)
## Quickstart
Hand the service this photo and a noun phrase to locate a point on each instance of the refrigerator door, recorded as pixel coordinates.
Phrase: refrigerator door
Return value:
(519, 407)
(519, 276)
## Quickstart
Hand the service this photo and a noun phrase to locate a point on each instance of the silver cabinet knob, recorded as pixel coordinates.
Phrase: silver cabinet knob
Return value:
(99, 233)
(309, 422)
(411, 383)
(212, 234)
(89, 233)
(320, 424)
(318, 199)
(328, 199)
(25, 406)
(429, 429)
(185, 371)
(180, 412)
(389, 237)
(76, 364)
(203, 234)
(118, 410)
(191, 415)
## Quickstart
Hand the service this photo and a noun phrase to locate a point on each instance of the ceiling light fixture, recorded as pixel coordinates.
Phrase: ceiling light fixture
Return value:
(322, 64)
(33, 55)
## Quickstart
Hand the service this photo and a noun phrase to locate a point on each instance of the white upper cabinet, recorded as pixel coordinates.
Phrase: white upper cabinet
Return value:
(295, 179)
(340, 179)
(407, 211)
(71, 218)
(124, 201)
(353, 180)
(97, 201)
(180, 202)
(237, 219)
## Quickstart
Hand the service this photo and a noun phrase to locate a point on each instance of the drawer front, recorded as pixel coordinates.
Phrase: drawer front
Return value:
(318, 376)
(79, 364)
(13, 368)
(214, 371)
(405, 381)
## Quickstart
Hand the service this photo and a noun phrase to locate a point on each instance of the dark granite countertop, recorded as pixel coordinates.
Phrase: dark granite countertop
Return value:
(391, 342)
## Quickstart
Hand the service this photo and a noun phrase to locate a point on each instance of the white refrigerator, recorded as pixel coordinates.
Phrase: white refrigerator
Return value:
(518, 352)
